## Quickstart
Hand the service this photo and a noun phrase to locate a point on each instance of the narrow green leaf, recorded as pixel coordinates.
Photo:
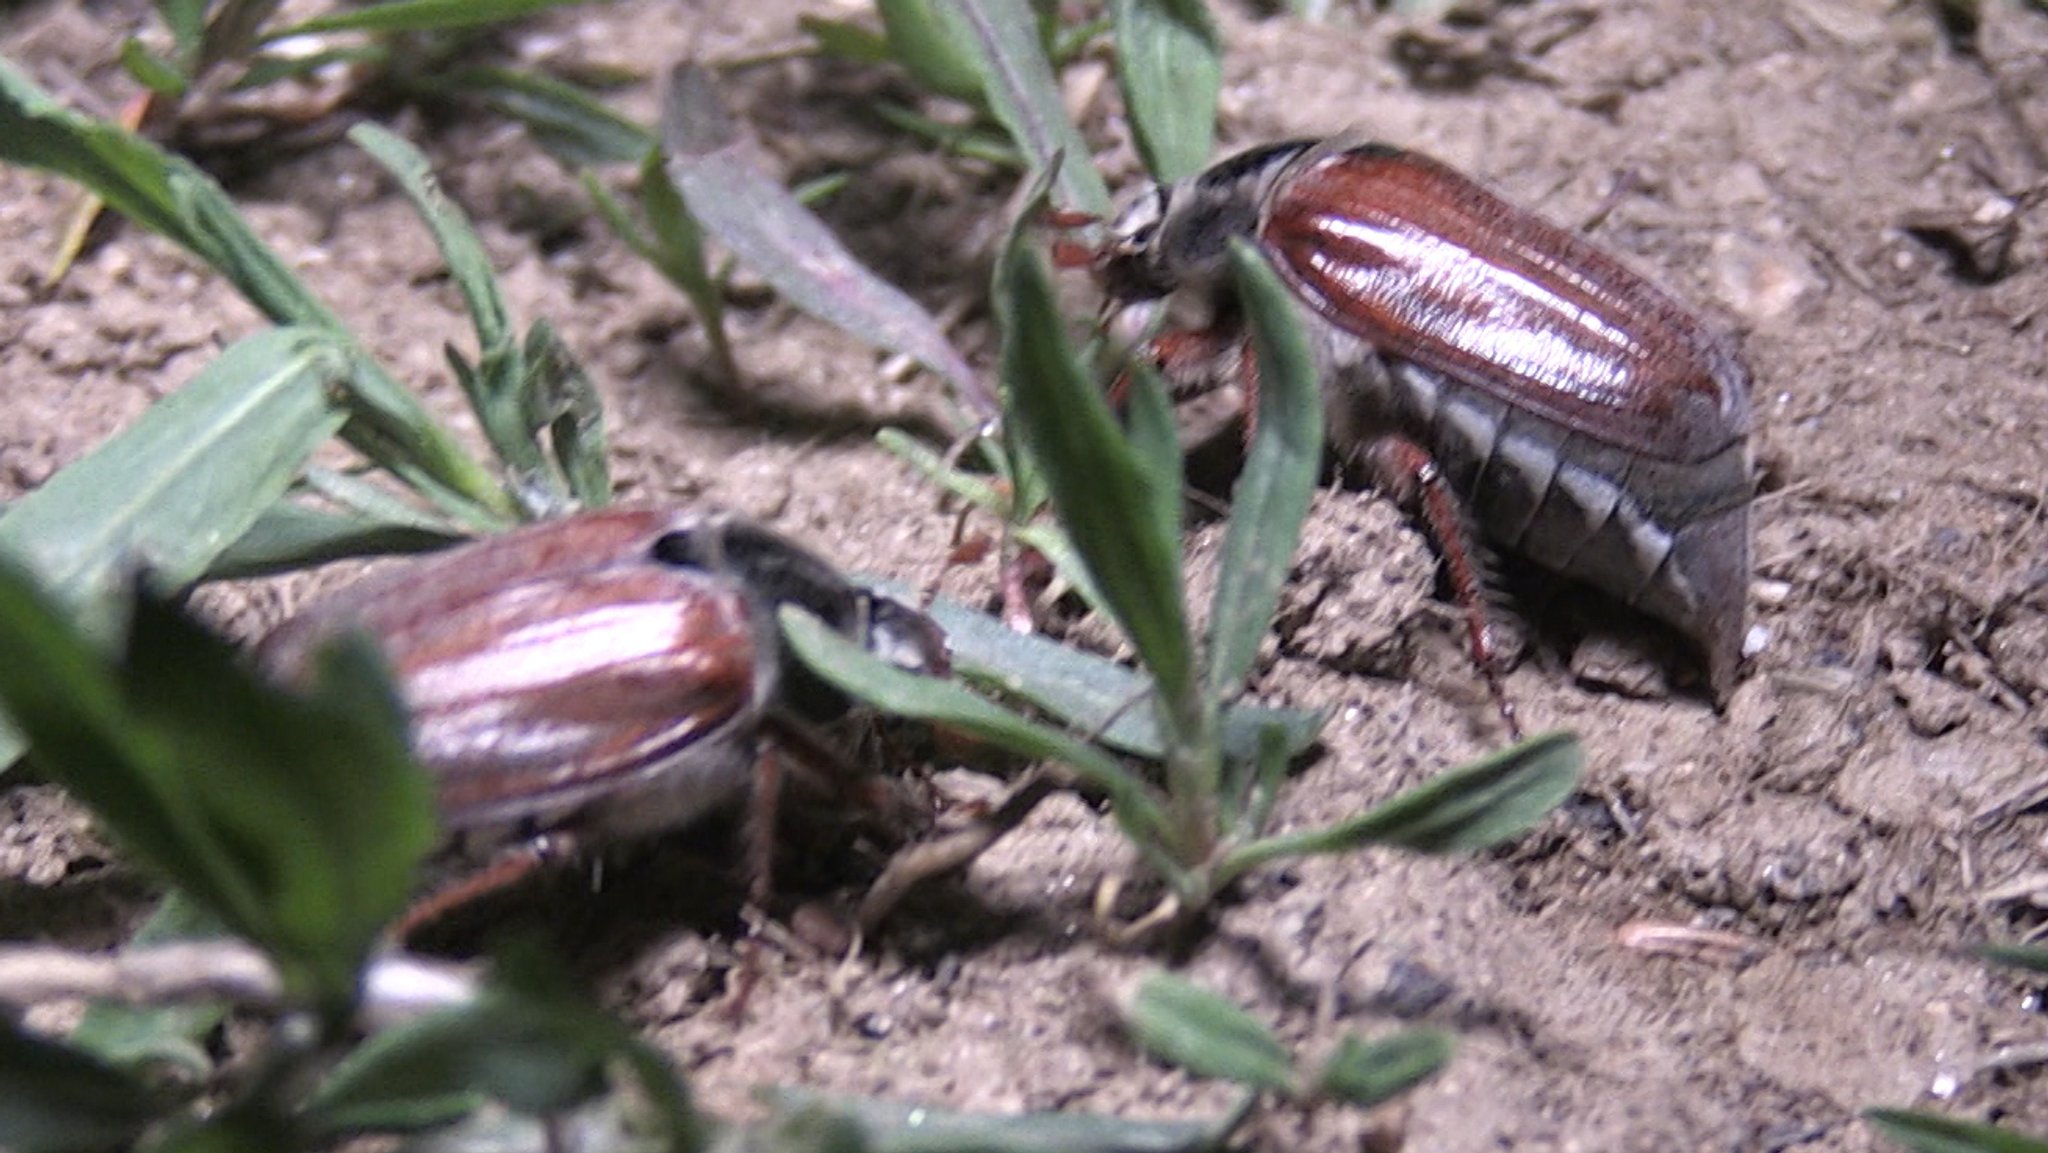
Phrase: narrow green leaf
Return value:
(502, 390)
(291, 536)
(1469, 807)
(419, 16)
(120, 168)
(1018, 82)
(1186, 1025)
(931, 42)
(845, 40)
(574, 127)
(55, 1099)
(153, 72)
(1169, 64)
(186, 20)
(1155, 445)
(562, 401)
(189, 477)
(678, 252)
(776, 236)
(1272, 494)
(893, 1127)
(2032, 958)
(167, 194)
(1100, 487)
(231, 32)
(530, 1040)
(1929, 1133)
(1366, 1073)
(863, 676)
(468, 263)
(1093, 695)
(298, 819)
(165, 1038)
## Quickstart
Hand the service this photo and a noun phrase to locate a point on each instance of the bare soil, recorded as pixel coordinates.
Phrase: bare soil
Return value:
(1869, 803)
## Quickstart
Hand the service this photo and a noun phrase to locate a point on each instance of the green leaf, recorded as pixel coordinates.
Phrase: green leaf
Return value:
(173, 490)
(1105, 495)
(1928, 1133)
(574, 127)
(158, 1038)
(1469, 807)
(1024, 95)
(561, 400)
(1272, 494)
(1366, 1073)
(153, 72)
(297, 819)
(502, 389)
(846, 40)
(675, 248)
(776, 236)
(2032, 958)
(1186, 1025)
(419, 16)
(292, 536)
(930, 41)
(1169, 63)
(529, 1040)
(893, 1127)
(55, 1099)
(168, 195)
(863, 676)
(1090, 694)
(186, 20)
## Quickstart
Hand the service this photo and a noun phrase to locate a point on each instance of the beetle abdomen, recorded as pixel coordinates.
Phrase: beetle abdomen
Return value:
(1669, 539)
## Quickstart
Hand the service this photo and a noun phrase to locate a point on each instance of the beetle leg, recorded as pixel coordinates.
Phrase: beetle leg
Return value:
(1407, 472)
(507, 868)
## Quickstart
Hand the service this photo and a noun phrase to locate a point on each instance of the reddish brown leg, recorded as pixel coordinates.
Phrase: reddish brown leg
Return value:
(1405, 471)
(508, 868)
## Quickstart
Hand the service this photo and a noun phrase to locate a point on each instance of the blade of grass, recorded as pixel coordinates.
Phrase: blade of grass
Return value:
(1106, 497)
(297, 818)
(573, 126)
(418, 16)
(1928, 1133)
(858, 673)
(1018, 82)
(893, 1127)
(168, 195)
(930, 41)
(176, 488)
(290, 536)
(514, 395)
(1169, 65)
(1272, 494)
(55, 1099)
(1091, 694)
(2032, 958)
(1186, 1025)
(1469, 807)
(1366, 1073)
(776, 236)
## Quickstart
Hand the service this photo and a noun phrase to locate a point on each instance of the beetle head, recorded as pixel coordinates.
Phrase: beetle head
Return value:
(1174, 236)
(776, 571)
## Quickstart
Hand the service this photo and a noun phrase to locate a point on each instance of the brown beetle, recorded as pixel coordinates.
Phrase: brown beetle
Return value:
(601, 676)
(1483, 362)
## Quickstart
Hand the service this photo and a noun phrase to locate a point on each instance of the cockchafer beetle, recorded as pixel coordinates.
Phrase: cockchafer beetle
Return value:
(603, 676)
(1481, 361)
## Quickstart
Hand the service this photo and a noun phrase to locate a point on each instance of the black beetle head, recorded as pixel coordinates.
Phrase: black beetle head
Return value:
(1178, 235)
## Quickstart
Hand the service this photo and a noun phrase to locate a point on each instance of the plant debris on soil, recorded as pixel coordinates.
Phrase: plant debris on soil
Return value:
(1799, 877)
